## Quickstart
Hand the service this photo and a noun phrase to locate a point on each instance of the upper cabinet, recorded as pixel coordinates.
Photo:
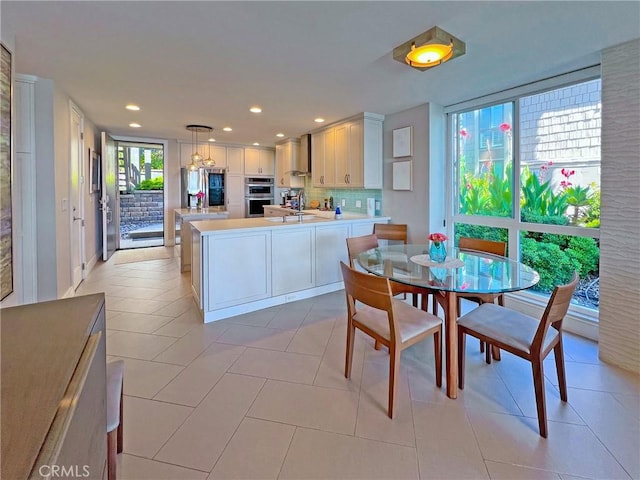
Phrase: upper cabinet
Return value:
(258, 161)
(348, 154)
(235, 160)
(287, 161)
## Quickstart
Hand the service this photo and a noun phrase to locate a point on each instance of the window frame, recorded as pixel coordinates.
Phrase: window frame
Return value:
(514, 224)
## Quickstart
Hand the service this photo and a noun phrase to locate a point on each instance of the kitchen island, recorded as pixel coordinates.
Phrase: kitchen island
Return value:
(184, 216)
(244, 265)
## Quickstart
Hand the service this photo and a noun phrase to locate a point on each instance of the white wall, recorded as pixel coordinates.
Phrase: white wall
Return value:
(423, 208)
(620, 212)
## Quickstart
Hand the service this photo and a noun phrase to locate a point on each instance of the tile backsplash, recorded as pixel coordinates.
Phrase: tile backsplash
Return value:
(350, 195)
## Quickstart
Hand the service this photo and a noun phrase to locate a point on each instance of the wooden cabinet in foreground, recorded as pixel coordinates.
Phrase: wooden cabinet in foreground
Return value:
(54, 389)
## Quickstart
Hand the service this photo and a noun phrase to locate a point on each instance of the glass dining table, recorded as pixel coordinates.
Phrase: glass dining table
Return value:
(462, 272)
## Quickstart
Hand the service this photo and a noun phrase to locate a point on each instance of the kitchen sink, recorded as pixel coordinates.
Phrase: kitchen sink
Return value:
(290, 218)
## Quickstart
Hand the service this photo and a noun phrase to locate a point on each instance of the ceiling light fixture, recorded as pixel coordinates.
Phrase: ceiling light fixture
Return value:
(318, 120)
(135, 125)
(429, 49)
(255, 109)
(132, 107)
(227, 129)
(280, 135)
(256, 144)
(196, 158)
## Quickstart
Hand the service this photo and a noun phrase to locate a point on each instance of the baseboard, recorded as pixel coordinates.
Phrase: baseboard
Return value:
(227, 312)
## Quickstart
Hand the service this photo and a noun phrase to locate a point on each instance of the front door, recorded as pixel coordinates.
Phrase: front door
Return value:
(108, 202)
(77, 198)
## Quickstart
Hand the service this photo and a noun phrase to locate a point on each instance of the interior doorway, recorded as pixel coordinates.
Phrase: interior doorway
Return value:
(141, 194)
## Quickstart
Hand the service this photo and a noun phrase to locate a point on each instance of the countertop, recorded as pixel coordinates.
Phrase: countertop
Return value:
(41, 345)
(204, 226)
(213, 211)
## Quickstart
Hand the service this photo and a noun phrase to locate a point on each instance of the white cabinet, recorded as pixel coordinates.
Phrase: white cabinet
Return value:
(292, 260)
(230, 258)
(323, 171)
(331, 248)
(235, 196)
(235, 160)
(349, 154)
(258, 161)
(218, 155)
(364, 228)
(287, 160)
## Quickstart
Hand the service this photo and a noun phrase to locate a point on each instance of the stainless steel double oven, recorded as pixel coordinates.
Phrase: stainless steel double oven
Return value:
(258, 192)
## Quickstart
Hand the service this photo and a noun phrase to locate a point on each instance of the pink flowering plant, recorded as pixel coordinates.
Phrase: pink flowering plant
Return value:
(437, 238)
(200, 195)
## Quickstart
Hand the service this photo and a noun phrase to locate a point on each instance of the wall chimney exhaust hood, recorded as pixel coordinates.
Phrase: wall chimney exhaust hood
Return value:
(304, 158)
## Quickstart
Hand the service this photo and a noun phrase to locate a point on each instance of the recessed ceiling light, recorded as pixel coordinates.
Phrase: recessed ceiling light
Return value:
(227, 129)
(280, 135)
(212, 139)
(135, 125)
(256, 144)
(318, 120)
(133, 107)
(255, 109)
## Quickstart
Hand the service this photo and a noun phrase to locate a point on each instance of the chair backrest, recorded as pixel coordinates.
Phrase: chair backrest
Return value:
(371, 290)
(357, 245)
(488, 246)
(556, 310)
(391, 231)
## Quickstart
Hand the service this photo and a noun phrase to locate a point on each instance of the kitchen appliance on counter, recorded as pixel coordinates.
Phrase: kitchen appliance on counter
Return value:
(258, 192)
(210, 181)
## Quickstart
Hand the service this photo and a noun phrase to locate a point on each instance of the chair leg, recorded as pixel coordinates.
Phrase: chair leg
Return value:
(437, 352)
(538, 383)
(394, 373)
(487, 353)
(461, 357)
(377, 345)
(351, 333)
(495, 351)
(481, 346)
(111, 454)
(562, 379)
(120, 446)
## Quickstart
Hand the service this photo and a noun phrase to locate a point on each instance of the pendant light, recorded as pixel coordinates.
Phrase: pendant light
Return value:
(210, 162)
(196, 158)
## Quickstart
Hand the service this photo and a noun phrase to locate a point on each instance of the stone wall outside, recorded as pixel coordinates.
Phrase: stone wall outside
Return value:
(142, 206)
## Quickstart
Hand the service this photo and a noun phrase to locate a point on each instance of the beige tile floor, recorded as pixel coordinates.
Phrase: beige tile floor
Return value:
(263, 396)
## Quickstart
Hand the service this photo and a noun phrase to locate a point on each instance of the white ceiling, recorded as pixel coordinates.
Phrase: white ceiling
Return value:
(208, 62)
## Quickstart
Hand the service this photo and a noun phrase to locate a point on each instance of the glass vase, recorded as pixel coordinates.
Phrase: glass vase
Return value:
(437, 252)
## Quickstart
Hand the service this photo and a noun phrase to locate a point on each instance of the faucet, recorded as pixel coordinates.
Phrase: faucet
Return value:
(300, 200)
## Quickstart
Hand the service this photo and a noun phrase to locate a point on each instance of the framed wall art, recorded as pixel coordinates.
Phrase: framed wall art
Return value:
(403, 142)
(94, 172)
(6, 219)
(402, 175)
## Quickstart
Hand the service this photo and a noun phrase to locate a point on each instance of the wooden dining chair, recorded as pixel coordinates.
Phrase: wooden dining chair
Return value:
(395, 232)
(494, 248)
(389, 321)
(357, 245)
(523, 336)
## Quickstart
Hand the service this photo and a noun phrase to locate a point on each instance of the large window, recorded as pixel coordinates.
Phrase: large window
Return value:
(551, 139)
